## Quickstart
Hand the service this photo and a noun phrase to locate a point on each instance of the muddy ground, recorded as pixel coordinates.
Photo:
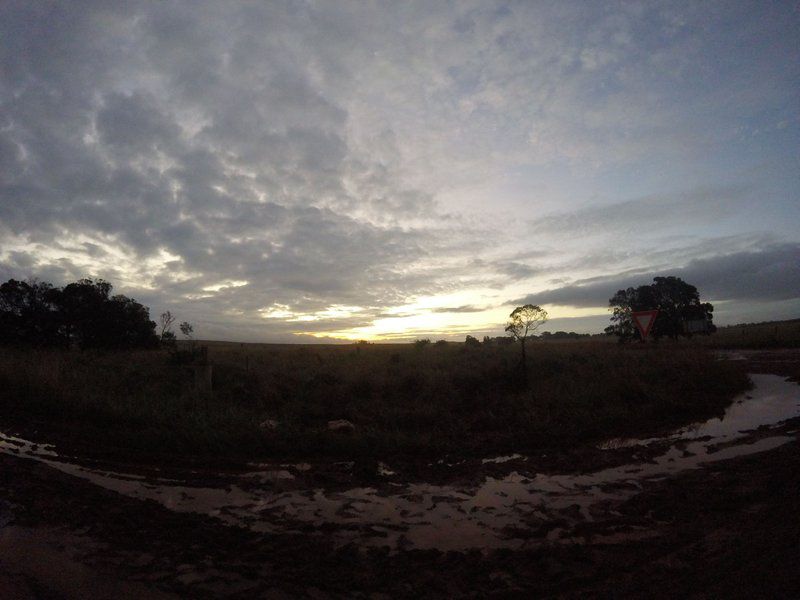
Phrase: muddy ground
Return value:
(730, 529)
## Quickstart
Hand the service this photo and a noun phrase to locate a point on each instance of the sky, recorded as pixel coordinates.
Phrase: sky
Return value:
(321, 171)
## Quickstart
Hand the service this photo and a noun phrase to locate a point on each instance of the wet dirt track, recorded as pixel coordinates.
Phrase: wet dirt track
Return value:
(683, 506)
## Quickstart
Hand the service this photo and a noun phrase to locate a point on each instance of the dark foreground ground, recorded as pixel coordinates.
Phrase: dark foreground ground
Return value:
(731, 529)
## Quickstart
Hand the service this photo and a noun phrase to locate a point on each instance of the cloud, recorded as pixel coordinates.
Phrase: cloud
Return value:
(690, 208)
(466, 308)
(220, 152)
(772, 274)
(305, 148)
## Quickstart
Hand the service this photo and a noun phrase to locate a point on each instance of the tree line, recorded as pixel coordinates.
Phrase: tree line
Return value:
(86, 315)
(83, 314)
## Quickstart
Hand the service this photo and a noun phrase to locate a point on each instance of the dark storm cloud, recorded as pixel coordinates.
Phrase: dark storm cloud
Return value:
(772, 274)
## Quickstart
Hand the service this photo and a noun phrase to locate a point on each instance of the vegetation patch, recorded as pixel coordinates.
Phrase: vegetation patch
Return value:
(415, 401)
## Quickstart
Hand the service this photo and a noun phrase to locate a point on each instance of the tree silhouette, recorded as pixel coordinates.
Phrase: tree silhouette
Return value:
(678, 304)
(83, 313)
(523, 321)
(166, 320)
(167, 336)
(28, 314)
(187, 330)
(471, 341)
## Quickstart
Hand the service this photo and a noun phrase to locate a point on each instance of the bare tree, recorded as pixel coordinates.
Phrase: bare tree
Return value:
(523, 321)
(166, 325)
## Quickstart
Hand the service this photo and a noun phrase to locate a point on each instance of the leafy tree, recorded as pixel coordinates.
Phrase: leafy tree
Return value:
(28, 314)
(471, 341)
(83, 310)
(129, 325)
(82, 313)
(95, 319)
(622, 304)
(523, 321)
(678, 303)
(187, 329)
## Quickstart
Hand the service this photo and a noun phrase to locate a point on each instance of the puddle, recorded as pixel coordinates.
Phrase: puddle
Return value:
(771, 401)
(514, 511)
(501, 459)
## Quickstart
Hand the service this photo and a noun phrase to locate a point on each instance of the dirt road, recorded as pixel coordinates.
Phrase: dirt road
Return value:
(727, 529)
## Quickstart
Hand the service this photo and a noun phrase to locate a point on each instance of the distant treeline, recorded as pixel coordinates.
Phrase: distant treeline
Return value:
(505, 340)
(782, 323)
(82, 314)
(565, 335)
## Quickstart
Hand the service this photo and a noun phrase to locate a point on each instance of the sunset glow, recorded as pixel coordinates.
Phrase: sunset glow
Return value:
(385, 171)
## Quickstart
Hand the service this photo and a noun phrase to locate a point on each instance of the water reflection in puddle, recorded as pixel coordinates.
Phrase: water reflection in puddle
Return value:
(512, 511)
(773, 400)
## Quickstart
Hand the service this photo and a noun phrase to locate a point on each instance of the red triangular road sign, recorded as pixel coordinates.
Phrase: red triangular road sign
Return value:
(644, 320)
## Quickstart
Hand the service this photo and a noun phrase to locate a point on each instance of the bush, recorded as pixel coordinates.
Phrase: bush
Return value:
(471, 342)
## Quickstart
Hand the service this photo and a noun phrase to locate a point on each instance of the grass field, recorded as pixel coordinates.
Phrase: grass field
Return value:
(426, 402)
(775, 334)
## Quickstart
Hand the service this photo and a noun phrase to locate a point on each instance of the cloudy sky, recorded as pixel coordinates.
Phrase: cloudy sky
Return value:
(274, 171)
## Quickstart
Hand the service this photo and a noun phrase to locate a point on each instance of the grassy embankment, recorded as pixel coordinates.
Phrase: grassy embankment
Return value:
(415, 402)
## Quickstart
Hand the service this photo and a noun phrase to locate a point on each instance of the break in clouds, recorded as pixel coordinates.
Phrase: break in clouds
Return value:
(269, 169)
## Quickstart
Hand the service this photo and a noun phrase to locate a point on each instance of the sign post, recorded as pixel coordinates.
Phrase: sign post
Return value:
(644, 320)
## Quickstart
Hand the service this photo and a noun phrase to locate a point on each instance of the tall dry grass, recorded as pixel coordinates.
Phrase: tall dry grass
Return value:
(449, 399)
(777, 334)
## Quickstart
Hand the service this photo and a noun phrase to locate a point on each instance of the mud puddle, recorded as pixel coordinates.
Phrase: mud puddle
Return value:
(516, 510)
